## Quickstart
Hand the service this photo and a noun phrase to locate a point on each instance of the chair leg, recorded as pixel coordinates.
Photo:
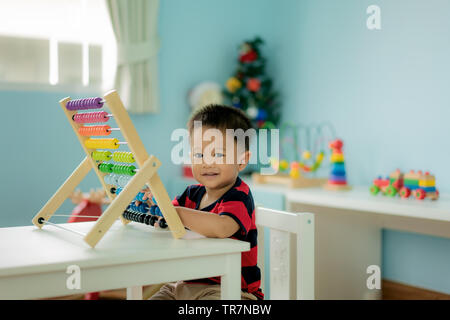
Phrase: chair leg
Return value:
(134, 293)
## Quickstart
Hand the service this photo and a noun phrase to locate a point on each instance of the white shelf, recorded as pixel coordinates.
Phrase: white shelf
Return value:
(360, 199)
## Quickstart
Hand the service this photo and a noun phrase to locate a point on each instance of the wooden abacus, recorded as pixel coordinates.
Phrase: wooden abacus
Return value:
(96, 160)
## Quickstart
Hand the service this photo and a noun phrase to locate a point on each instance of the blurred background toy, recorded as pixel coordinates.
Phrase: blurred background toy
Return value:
(337, 179)
(302, 151)
(417, 184)
(88, 205)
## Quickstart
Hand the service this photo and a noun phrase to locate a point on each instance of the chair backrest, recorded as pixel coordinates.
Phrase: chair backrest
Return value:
(291, 253)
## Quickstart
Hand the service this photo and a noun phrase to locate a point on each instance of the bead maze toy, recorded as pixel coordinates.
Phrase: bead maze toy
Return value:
(121, 180)
(337, 180)
(304, 161)
(418, 184)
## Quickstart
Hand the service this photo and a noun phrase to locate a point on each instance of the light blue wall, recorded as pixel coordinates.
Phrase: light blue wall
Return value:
(417, 259)
(387, 94)
(385, 91)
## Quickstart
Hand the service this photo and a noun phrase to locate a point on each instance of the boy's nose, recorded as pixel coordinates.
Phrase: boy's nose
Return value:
(207, 163)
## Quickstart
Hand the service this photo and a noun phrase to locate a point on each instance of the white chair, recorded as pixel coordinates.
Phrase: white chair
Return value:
(291, 253)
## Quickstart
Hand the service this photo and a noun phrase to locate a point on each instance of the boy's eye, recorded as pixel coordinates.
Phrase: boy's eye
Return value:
(198, 155)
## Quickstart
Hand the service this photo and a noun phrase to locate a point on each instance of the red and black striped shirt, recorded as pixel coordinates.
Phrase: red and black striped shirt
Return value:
(238, 204)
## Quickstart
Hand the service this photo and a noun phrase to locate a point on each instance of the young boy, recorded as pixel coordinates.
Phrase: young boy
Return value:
(221, 205)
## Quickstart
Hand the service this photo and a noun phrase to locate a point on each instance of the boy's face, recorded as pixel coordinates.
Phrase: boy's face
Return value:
(216, 157)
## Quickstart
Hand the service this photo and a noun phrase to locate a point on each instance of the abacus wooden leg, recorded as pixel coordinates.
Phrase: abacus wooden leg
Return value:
(137, 148)
(63, 192)
(165, 204)
(120, 203)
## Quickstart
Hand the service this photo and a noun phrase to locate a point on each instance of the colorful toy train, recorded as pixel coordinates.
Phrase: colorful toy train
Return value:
(418, 184)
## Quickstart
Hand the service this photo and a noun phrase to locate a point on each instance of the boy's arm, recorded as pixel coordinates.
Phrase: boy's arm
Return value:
(208, 224)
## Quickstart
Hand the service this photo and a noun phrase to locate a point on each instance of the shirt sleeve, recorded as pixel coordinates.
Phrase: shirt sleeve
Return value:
(186, 198)
(180, 200)
(239, 207)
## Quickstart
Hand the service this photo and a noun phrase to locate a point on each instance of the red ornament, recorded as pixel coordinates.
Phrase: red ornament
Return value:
(253, 84)
(249, 56)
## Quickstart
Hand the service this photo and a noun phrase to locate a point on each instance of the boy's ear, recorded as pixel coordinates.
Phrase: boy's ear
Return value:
(244, 159)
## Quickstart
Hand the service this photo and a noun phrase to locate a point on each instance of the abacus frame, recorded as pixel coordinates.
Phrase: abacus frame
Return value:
(147, 174)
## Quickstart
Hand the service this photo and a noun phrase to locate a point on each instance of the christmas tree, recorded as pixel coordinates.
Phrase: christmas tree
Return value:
(250, 89)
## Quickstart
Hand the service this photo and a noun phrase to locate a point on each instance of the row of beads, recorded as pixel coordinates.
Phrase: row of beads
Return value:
(91, 117)
(118, 156)
(138, 197)
(95, 131)
(117, 180)
(143, 218)
(83, 104)
(117, 168)
(88, 117)
(102, 143)
(154, 210)
(143, 207)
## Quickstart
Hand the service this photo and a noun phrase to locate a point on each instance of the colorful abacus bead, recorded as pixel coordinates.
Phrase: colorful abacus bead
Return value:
(162, 223)
(112, 179)
(143, 218)
(153, 219)
(117, 169)
(101, 155)
(143, 207)
(83, 104)
(102, 143)
(91, 117)
(117, 180)
(137, 216)
(122, 181)
(123, 156)
(155, 211)
(95, 131)
(124, 169)
(140, 196)
(106, 167)
(116, 191)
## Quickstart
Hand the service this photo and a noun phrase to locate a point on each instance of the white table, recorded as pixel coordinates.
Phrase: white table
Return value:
(34, 262)
(348, 232)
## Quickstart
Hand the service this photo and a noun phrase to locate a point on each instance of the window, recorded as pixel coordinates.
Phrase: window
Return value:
(56, 43)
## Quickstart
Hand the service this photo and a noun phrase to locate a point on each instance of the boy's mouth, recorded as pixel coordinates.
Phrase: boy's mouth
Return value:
(209, 174)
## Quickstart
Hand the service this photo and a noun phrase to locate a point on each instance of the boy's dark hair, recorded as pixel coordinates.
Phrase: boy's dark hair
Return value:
(221, 117)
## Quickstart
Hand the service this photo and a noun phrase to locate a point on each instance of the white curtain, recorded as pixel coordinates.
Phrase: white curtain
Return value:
(135, 27)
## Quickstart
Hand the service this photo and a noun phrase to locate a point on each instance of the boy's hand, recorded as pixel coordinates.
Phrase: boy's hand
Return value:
(146, 197)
